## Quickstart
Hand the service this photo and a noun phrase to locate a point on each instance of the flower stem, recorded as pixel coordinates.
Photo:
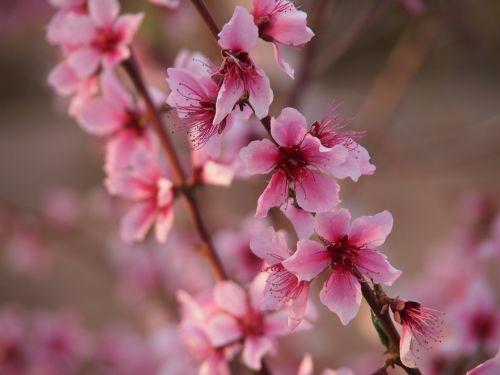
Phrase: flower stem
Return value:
(386, 321)
(205, 13)
(208, 250)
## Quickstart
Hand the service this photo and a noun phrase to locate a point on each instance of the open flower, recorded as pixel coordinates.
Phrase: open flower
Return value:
(297, 161)
(283, 289)
(349, 251)
(280, 22)
(103, 36)
(241, 319)
(421, 328)
(115, 113)
(147, 183)
(242, 82)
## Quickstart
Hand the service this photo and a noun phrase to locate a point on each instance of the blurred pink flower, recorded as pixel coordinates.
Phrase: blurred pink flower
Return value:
(297, 160)
(25, 250)
(147, 183)
(476, 319)
(13, 350)
(349, 250)
(104, 37)
(61, 208)
(241, 81)
(280, 22)
(307, 368)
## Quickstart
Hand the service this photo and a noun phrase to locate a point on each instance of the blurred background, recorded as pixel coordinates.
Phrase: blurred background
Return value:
(421, 79)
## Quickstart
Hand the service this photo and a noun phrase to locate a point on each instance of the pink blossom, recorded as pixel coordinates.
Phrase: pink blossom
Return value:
(306, 367)
(234, 247)
(283, 289)
(297, 161)
(280, 22)
(476, 319)
(59, 344)
(171, 4)
(118, 115)
(242, 319)
(25, 250)
(355, 160)
(103, 37)
(349, 250)
(123, 352)
(13, 350)
(145, 182)
(213, 358)
(242, 82)
(421, 327)
(302, 221)
(61, 208)
(490, 367)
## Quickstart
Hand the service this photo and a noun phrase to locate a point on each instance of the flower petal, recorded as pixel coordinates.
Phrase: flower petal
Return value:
(136, 223)
(64, 79)
(375, 265)
(254, 349)
(164, 221)
(259, 157)
(274, 194)
(290, 28)
(103, 12)
(282, 63)
(260, 95)
(223, 329)
(316, 192)
(342, 295)
(100, 116)
(405, 347)
(230, 297)
(371, 230)
(270, 245)
(127, 25)
(240, 33)
(310, 259)
(229, 94)
(84, 61)
(333, 225)
(302, 221)
(289, 128)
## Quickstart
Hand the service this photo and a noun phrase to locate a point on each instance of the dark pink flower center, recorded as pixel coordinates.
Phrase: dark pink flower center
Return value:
(342, 253)
(292, 161)
(135, 122)
(482, 325)
(106, 40)
(253, 324)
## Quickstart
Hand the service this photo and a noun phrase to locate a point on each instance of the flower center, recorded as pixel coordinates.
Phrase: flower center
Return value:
(106, 40)
(342, 254)
(292, 161)
(253, 324)
(482, 325)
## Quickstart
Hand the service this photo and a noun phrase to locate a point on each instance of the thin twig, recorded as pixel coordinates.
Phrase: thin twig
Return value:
(205, 13)
(208, 249)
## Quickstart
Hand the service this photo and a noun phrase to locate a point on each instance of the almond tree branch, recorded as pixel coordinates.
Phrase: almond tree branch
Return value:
(208, 250)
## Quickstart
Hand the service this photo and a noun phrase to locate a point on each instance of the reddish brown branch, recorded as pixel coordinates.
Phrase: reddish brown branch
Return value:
(205, 13)
(208, 249)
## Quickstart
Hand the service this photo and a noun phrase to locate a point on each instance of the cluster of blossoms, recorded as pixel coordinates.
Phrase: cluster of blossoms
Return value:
(219, 105)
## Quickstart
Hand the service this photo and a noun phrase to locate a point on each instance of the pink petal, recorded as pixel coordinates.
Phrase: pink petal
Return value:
(259, 157)
(101, 116)
(306, 366)
(229, 94)
(230, 297)
(289, 128)
(84, 61)
(290, 28)
(119, 150)
(298, 308)
(223, 329)
(276, 323)
(127, 25)
(310, 259)
(342, 295)
(270, 245)
(103, 12)
(260, 95)
(185, 89)
(405, 347)
(263, 7)
(217, 174)
(254, 349)
(120, 53)
(136, 223)
(281, 62)
(333, 225)
(376, 266)
(164, 221)
(113, 89)
(371, 230)
(63, 79)
(317, 192)
(302, 221)
(240, 33)
(76, 30)
(274, 194)
(123, 185)
(490, 367)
